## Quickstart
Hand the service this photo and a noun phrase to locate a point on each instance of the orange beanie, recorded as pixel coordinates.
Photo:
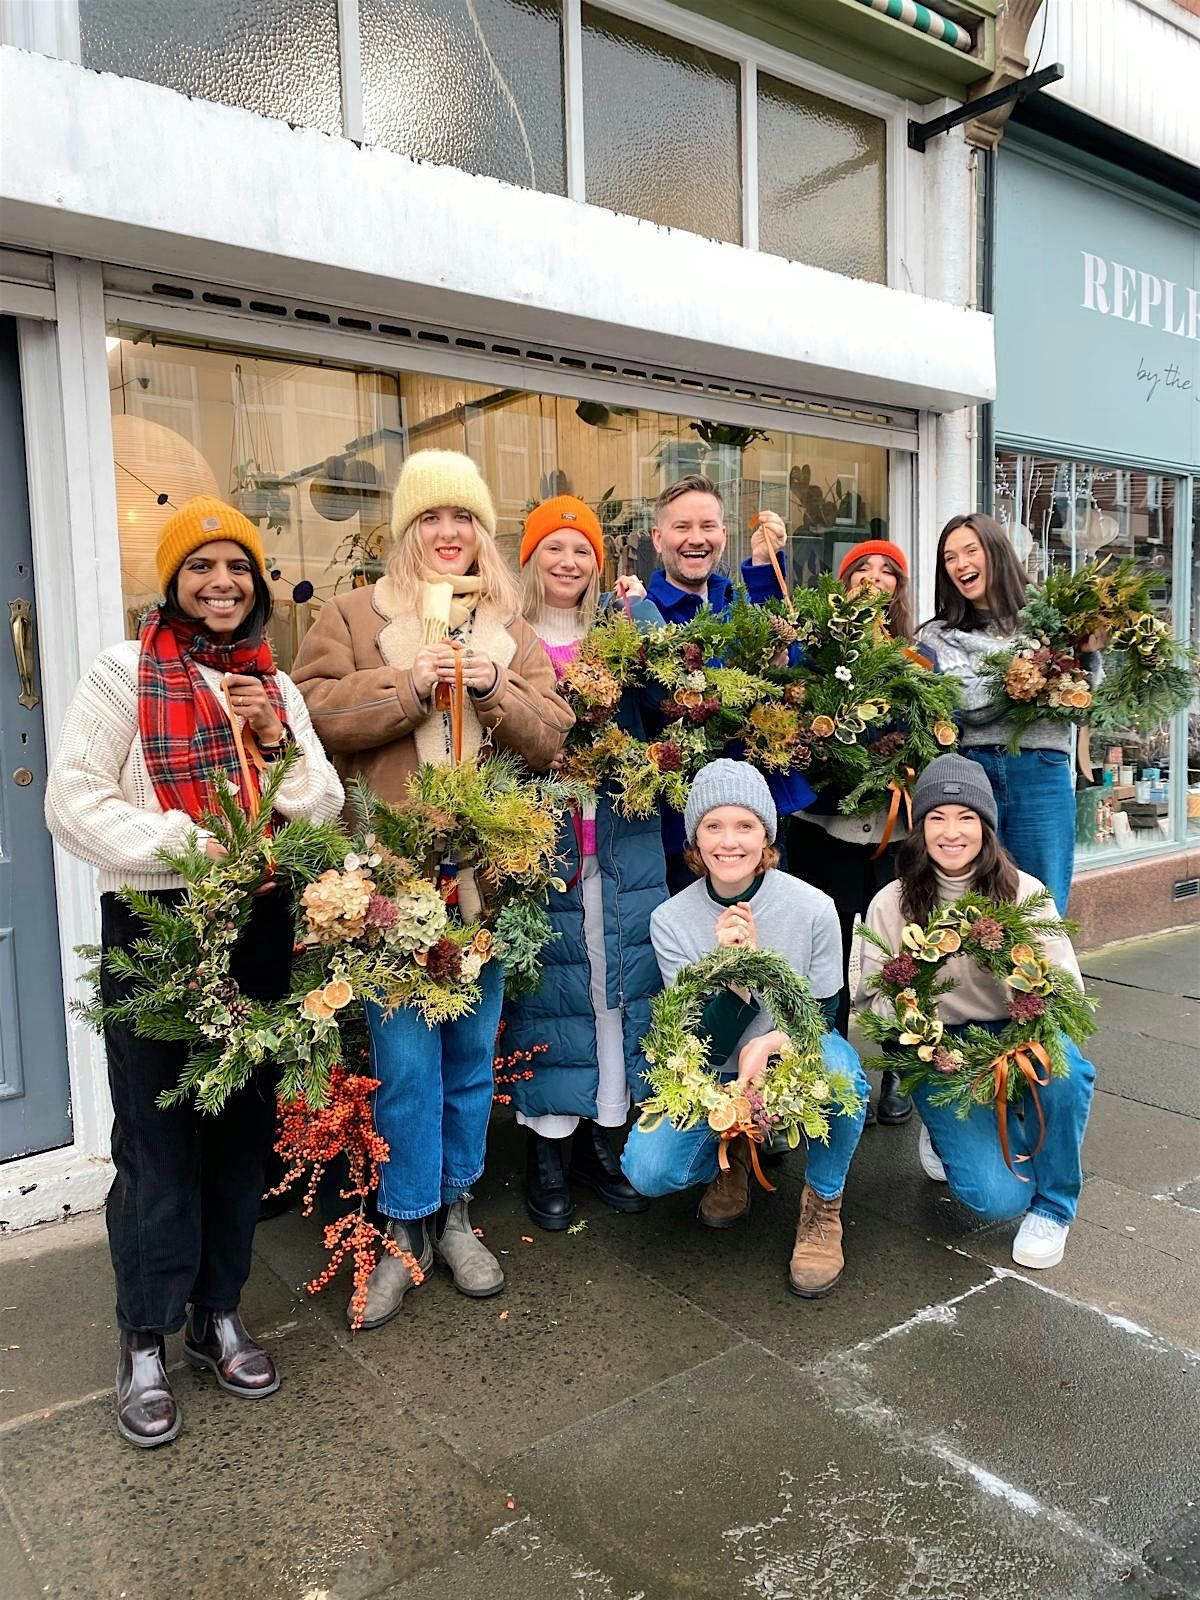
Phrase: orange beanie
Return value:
(199, 521)
(873, 547)
(564, 511)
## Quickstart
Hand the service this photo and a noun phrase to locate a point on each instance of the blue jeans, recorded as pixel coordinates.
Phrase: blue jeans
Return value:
(668, 1159)
(1035, 809)
(969, 1147)
(434, 1100)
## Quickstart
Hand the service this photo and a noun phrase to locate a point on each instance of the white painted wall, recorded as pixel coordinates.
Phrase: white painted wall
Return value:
(112, 169)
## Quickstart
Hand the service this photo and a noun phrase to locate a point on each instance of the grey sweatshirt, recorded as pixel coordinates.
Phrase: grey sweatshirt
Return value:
(790, 917)
(960, 651)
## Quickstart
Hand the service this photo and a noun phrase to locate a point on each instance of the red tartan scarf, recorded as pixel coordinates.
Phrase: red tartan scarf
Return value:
(187, 739)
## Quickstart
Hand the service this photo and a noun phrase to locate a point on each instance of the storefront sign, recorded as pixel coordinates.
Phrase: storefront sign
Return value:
(1097, 318)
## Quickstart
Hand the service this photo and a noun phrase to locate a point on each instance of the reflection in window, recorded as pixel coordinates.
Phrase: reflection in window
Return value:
(661, 128)
(1059, 515)
(475, 86)
(821, 181)
(276, 57)
(311, 453)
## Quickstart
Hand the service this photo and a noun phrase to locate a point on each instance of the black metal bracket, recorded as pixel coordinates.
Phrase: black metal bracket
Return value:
(920, 133)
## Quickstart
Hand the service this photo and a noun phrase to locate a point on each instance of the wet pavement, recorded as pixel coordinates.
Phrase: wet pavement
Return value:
(646, 1413)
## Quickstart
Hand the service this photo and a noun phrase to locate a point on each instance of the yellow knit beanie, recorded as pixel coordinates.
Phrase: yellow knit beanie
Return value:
(433, 478)
(199, 521)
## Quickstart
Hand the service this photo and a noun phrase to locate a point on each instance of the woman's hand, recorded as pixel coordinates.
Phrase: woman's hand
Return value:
(214, 850)
(251, 702)
(424, 671)
(630, 587)
(480, 672)
(735, 927)
(1094, 643)
(769, 533)
(755, 1055)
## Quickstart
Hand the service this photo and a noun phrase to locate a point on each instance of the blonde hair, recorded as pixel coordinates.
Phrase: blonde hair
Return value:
(406, 563)
(533, 595)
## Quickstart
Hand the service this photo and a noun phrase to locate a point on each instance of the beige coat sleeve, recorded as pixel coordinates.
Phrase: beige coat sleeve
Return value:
(352, 707)
(522, 712)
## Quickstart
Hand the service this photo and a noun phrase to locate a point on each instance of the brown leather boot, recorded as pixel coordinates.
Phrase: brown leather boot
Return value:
(817, 1261)
(727, 1198)
(147, 1412)
(218, 1340)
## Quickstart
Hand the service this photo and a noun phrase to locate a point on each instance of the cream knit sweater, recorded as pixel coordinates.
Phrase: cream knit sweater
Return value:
(100, 802)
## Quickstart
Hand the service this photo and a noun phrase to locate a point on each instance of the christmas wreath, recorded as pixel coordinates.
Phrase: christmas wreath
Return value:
(375, 924)
(797, 1095)
(978, 1067)
(1044, 679)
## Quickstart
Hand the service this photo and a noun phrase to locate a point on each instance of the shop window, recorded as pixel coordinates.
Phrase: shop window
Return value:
(276, 57)
(821, 181)
(311, 452)
(478, 87)
(1060, 514)
(661, 128)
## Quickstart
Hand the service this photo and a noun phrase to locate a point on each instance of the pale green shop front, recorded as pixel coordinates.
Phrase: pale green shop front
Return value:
(1097, 427)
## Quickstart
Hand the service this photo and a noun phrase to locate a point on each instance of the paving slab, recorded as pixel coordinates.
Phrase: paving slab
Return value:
(1166, 962)
(744, 1479)
(1140, 1146)
(1188, 1195)
(1156, 1072)
(16, 1577)
(263, 1500)
(1079, 1412)
(1161, 1225)
(1175, 1018)
(519, 1560)
(58, 1331)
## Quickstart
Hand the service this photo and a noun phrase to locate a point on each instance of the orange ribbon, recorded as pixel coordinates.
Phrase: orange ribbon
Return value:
(899, 792)
(778, 571)
(241, 740)
(1007, 1061)
(447, 698)
(754, 1137)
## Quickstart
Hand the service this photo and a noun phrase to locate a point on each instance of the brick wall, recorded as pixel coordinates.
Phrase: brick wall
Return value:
(1126, 901)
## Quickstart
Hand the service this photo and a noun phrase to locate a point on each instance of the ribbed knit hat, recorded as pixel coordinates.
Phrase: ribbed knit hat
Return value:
(873, 547)
(432, 478)
(729, 783)
(199, 521)
(954, 781)
(564, 511)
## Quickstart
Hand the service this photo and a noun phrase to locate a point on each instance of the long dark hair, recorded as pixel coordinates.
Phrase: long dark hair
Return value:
(899, 611)
(255, 625)
(993, 873)
(1007, 581)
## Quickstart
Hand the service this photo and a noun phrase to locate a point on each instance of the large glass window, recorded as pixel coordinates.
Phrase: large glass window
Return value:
(1060, 514)
(822, 190)
(276, 57)
(660, 128)
(476, 86)
(311, 452)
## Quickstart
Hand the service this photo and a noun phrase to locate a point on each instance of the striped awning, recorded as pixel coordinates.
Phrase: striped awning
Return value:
(924, 20)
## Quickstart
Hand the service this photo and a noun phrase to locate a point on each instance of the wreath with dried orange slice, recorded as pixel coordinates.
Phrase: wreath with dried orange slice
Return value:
(798, 1094)
(977, 1066)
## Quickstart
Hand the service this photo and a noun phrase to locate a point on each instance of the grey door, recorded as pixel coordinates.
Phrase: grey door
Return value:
(35, 1103)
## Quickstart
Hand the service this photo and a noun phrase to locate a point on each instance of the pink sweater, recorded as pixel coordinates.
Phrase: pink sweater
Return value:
(561, 657)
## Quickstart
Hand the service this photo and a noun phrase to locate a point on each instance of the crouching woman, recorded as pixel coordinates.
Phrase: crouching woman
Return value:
(744, 900)
(953, 848)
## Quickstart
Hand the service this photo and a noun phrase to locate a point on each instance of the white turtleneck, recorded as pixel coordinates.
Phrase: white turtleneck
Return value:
(559, 624)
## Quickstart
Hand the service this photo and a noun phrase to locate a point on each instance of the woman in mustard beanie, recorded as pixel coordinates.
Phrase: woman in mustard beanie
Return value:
(145, 738)
(370, 669)
(599, 975)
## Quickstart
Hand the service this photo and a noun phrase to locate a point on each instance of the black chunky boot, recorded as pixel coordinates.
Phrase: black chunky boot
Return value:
(594, 1164)
(547, 1197)
(894, 1107)
(147, 1412)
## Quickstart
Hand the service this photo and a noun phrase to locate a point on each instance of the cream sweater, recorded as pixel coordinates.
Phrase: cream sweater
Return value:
(100, 802)
(975, 997)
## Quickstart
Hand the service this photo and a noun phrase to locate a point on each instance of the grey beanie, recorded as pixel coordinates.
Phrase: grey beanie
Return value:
(729, 783)
(954, 781)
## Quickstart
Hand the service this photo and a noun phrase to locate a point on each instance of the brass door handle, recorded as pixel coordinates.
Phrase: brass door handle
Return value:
(20, 621)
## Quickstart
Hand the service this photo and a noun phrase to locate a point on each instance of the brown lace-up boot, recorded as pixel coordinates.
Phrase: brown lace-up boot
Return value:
(817, 1261)
(727, 1198)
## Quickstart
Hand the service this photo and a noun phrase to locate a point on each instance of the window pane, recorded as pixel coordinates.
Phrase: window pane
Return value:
(276, 57)
(821, 181)
(1059, 515)
(473, 86)
(661, 128)
(311, 453)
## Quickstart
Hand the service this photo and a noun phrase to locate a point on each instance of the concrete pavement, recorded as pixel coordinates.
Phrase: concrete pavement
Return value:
(647, 1413)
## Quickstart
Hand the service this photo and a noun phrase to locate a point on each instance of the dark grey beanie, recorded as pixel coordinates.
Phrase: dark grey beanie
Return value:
(729, 783)
(954, 781)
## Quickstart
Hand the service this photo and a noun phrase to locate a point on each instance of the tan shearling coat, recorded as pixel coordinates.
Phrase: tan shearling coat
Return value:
(354, 671)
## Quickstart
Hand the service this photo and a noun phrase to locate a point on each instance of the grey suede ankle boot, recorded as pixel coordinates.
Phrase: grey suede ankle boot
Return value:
(392, 1278)
(476, 1270)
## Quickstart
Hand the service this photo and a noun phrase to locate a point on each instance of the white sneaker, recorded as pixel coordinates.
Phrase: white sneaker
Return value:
(930, 1162)
(1040, 1241)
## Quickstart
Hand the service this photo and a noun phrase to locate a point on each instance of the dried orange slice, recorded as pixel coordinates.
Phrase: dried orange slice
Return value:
(741, 1107)
(337, 994)
(721, 1118)
(315, 1006)
(1021, 953)
(949, 942)
(945, 733)
(822, 726)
